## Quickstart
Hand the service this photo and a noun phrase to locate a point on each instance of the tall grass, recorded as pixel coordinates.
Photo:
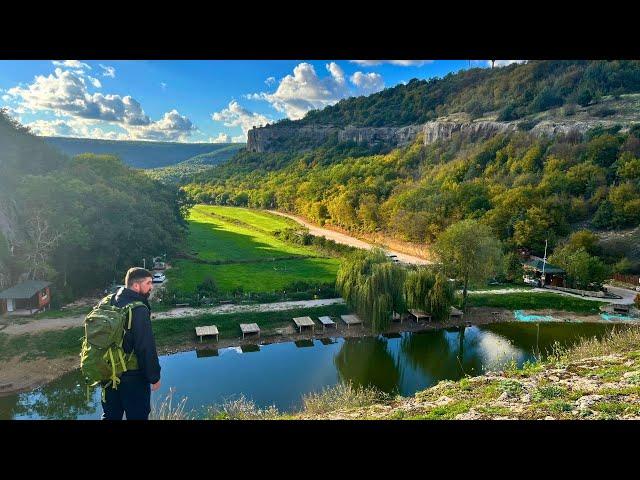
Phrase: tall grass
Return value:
(241, 408)
(167, 411)
(618, 340)
(342, 395)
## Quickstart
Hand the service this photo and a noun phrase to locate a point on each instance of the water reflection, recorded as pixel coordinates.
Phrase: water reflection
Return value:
(282, 372)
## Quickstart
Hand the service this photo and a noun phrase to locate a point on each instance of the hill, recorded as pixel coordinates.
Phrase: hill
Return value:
(179, 172)
(139, 154)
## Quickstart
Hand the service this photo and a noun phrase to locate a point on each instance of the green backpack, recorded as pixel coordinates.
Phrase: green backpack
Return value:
(102, 358)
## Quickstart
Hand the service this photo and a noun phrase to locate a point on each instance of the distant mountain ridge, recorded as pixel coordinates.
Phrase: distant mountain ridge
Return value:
(140, 154)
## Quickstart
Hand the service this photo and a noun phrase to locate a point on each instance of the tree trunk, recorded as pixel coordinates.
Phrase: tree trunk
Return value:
(464, 293)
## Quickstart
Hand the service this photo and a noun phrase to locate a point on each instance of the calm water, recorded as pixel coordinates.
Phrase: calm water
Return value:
(281, 373)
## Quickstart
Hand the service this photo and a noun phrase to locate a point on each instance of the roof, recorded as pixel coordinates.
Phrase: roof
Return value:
(548, 268)
(25, 289)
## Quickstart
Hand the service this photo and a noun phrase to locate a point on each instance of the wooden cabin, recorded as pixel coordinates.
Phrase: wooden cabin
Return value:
(31, 296)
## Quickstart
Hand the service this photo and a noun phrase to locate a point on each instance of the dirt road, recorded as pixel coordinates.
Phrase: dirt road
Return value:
(348, 240)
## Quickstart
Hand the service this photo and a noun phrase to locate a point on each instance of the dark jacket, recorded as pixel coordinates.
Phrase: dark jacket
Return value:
(140, 338)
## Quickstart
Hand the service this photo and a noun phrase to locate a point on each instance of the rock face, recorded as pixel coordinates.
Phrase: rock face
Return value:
(274, 137)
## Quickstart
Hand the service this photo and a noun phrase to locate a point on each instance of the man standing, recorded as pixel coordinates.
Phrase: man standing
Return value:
(133, 395)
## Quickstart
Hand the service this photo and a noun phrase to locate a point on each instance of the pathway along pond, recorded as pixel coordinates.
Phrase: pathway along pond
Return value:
(281, 373)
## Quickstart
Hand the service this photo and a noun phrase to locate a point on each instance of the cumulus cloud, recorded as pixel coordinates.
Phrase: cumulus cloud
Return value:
(367, 83)
(171, 128)
(401, 63)
(76, 64)
(239, 139)
(221, 138)
(270, 81)
(95, 82)
(305, 90)
(504, 63)
(74, 128)
(66, 92)
(108, 71)
(237, 116)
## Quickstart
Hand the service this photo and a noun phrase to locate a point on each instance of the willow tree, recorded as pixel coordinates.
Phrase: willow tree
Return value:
(469, 251)
(430, 291)
(372, 285)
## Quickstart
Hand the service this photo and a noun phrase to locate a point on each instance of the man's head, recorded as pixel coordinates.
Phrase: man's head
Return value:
(139, 280)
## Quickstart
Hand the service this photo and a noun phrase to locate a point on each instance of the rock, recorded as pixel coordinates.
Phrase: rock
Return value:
(503, 397)
(584, 403)
(526, 398)
(549, 417)
(554, 378)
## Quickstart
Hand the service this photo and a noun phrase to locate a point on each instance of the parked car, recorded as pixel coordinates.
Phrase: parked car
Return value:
(531, 281)
(158, 278)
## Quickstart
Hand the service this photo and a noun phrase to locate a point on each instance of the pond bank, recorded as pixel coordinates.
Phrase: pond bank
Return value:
(18, 374)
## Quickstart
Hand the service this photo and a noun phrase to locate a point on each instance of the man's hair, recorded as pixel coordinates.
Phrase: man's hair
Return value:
(135, 275)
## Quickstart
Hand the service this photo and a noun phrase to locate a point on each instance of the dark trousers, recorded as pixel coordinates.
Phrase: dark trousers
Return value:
(132, 397)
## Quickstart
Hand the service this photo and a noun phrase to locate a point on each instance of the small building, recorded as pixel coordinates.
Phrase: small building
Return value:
(29, 296)
(553, 275)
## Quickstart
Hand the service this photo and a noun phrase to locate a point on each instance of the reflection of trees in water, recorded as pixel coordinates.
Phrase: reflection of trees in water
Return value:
(367, 361)
(65, 398)
(8, 406)
(435, 355)
(534, 337)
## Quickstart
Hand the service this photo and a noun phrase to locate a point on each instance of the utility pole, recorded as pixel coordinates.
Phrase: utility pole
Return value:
(544, 261)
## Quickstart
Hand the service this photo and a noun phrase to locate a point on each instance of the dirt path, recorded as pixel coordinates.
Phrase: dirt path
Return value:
(348, 240)
(44, 324)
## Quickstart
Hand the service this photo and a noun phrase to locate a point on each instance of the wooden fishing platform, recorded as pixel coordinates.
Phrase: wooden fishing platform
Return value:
(418, 314)
(455, 313)
(304, 322)
(351, 320)
(249, 328)
(327, 322)
(207, 330)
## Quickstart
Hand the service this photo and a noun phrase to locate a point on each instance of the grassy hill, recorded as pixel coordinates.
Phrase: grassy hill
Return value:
(146, 155)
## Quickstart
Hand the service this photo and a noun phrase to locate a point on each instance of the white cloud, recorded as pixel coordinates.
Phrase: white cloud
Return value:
(237, 116)
(75, 128)
(270, 81)
(108, 71)
(221, 138)
(368, 83)
(504, 63)
(304, 90)
(172, 127)
(95, 82)
(239, 139)
(77, 64)
(163, 85)
(6, 97)
(66, 92)
(401, 63)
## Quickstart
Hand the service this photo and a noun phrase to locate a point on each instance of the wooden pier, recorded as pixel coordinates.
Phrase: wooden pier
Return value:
(327, 322)
(351, 320)
(455, 313)
(207, 330)
(249, 328)
(418, 314)
(304, 322)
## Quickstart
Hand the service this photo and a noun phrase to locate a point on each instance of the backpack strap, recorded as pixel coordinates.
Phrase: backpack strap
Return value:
(130, 307)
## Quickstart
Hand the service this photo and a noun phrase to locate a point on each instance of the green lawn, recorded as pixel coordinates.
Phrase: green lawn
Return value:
(254, 277)
(534, 301)
(251, 245)
(257, 218)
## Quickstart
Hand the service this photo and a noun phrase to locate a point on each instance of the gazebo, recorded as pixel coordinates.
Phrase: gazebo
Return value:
(553, 275)
(27, 296)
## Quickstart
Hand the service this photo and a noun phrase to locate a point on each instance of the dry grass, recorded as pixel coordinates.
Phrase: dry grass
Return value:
(617, 341)
(242, 408)
(343, 395)
(167, 411)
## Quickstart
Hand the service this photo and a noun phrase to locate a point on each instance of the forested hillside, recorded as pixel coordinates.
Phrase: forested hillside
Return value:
(514, 91)
(79, 222)
(144, 154)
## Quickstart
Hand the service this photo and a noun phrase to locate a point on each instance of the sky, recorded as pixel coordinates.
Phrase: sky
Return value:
(213, 101)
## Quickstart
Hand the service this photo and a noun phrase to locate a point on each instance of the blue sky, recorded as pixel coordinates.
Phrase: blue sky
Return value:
(191, 100)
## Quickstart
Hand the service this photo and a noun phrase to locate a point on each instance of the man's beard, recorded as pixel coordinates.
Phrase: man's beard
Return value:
(146, 295)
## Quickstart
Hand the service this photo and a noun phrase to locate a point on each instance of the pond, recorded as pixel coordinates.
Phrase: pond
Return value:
(280, 373)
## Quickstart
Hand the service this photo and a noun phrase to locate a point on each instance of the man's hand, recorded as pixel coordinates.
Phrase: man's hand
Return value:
(155, 386)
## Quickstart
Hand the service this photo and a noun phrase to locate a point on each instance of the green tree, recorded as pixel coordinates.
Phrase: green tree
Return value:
(470, 252)
(373, 286)
(582, 269)
(429, 291)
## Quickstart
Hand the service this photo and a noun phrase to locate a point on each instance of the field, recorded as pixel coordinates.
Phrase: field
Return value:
(245, 253)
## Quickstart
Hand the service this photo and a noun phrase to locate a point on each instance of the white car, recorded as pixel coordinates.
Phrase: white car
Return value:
(158, 278)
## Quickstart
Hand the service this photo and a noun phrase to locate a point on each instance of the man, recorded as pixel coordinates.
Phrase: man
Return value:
(133, 395)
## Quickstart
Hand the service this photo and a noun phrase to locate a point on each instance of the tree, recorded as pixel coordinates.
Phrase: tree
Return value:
(512, 267)
(469, 251)
(430, 291)
(582, 269)
(372, 285)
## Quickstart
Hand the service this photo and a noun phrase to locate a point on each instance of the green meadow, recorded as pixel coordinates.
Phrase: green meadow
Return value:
(249, 256)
